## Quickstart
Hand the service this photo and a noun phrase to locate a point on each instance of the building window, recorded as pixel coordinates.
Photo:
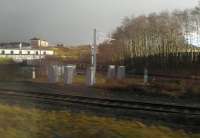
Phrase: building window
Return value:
(29, 52)
(2, 52)
(11, 52)
(36, 52)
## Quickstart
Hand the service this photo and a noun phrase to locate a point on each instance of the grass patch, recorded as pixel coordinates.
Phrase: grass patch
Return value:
(18, 122)
(74, 53)
(158, 86)
(119, 85)
(6, 60)
(81, 79)
(168, 87)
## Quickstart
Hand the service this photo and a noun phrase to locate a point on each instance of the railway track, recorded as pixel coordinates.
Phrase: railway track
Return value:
(63, 100)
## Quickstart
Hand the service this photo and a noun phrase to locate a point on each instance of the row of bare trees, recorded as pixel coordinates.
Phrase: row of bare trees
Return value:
(165, 40)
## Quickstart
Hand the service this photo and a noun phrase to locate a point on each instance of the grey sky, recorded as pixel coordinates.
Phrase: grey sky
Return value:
(72, 21)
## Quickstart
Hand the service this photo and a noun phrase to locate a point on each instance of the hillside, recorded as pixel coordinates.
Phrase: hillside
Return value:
(72, 53)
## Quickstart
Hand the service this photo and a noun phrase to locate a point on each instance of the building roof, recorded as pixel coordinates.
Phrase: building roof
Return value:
(35, 38)
(14, 44)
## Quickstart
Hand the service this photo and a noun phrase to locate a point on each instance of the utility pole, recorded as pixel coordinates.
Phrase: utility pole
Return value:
(94, 49)
(93, 58)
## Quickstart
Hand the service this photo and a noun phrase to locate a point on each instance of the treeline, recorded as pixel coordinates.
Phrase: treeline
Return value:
(158, 41)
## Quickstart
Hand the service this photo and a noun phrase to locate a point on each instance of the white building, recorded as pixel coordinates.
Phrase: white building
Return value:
(18, 51)
(8, 45)
(25, 54)
(36, 42)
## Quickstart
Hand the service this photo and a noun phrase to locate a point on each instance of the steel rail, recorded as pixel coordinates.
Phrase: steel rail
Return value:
(62, 99)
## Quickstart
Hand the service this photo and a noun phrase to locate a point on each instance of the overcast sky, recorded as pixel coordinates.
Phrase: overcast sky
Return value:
(72, 21)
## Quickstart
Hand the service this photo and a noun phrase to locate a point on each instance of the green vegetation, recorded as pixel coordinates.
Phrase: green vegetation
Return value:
(18, 122)
(14, 72)
(159, 86)
(163, 86)
(81, 79)
(6, 60)
(73, 54)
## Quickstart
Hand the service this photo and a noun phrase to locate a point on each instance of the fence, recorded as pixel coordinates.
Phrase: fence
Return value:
(174, 62)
